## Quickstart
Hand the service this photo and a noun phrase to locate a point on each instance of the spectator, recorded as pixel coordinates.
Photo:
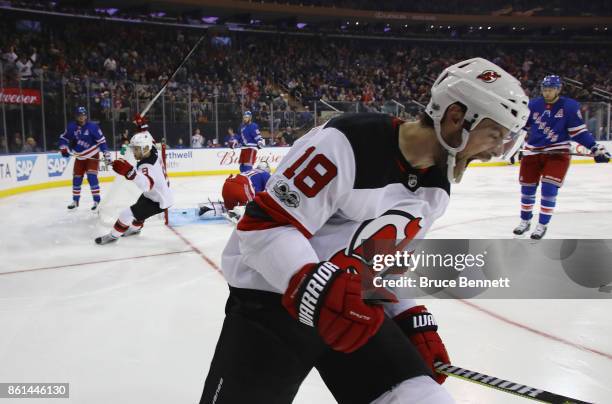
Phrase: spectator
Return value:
(125, 137)
(10, 56)
(180, 144)
(17, 144)
(197, 140)
(24, 68)
(212, 143)
(280, 141)
(3, 145)
(31, 146)
(289, 136)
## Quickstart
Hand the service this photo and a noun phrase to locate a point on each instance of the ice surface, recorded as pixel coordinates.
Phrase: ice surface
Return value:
(137, 321)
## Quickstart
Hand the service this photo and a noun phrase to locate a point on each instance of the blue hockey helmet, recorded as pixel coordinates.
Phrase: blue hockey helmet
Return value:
(80, 111)
(551, 81)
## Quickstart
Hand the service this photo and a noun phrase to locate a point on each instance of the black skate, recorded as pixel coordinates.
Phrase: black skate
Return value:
(73, 205)
(105, 239)
(95, 206)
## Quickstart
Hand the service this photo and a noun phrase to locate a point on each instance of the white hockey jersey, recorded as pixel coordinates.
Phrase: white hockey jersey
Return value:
(341, 184)
(152, 179)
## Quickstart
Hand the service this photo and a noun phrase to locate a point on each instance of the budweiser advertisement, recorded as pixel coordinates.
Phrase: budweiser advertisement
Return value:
(12, 95)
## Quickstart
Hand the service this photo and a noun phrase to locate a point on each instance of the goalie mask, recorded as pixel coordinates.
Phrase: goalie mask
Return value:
(487, 91)
(141, 144)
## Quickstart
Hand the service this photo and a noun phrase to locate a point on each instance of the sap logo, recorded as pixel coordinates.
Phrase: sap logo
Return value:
(25, 164)
(56, 165)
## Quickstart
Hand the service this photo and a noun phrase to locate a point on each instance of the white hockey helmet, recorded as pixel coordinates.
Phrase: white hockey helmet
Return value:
(488, 91)
(263, 166)
(143, 140)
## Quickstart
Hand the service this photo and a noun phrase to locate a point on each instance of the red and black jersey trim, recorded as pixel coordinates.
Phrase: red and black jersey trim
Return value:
(379, 162)
(151, 182)
(265, 213)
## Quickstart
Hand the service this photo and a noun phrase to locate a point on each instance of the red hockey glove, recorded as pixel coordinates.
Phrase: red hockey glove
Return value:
(141, 122)
(124, 168)
(420, 326)
(329, 298)
(65, 152)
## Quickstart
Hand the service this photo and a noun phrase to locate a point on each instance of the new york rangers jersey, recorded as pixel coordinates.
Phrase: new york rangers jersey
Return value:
(152, 179)
(258, 179)
(250, 134)
(553, 126)
(85, 141)
(340, 184)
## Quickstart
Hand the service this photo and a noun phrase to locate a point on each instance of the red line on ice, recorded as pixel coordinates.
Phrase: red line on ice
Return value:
(533, 330)
(93, 262)
(197, 250)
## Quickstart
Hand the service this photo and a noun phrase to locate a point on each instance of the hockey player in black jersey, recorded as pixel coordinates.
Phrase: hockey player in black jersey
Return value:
(295, 298)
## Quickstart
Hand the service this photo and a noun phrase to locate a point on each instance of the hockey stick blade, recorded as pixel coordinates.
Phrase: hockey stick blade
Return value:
(521, 390)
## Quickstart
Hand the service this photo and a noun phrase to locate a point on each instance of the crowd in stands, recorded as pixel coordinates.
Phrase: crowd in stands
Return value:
(498, 7)
(131, 61)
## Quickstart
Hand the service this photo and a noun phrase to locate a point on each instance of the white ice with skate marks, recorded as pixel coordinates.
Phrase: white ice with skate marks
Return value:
(137, 321)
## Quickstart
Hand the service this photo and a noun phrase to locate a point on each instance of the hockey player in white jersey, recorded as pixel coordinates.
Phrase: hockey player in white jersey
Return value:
(294, 264)
(150, 176)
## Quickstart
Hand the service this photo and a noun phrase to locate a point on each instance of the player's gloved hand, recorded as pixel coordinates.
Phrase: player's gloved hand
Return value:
(328, 297)
(419, 325)
(260, 144)
(140, 121)
(107, 158)
(232, 144)
(600, 154)
(64, 151)
(124, 168)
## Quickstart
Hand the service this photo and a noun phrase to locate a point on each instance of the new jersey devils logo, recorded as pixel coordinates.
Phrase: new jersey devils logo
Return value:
(386, 234)
(488, 76)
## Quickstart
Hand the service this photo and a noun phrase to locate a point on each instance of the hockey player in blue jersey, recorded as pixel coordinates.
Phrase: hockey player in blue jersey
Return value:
(553, 122)
(240, 189)
(85, 140)
(251, 141)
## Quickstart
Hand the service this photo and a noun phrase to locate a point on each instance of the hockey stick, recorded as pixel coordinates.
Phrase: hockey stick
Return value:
(558, 152)
(150, 104)
(506, 386)
(73, 154)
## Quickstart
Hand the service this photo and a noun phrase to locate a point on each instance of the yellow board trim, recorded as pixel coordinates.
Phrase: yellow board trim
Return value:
(65, 183)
